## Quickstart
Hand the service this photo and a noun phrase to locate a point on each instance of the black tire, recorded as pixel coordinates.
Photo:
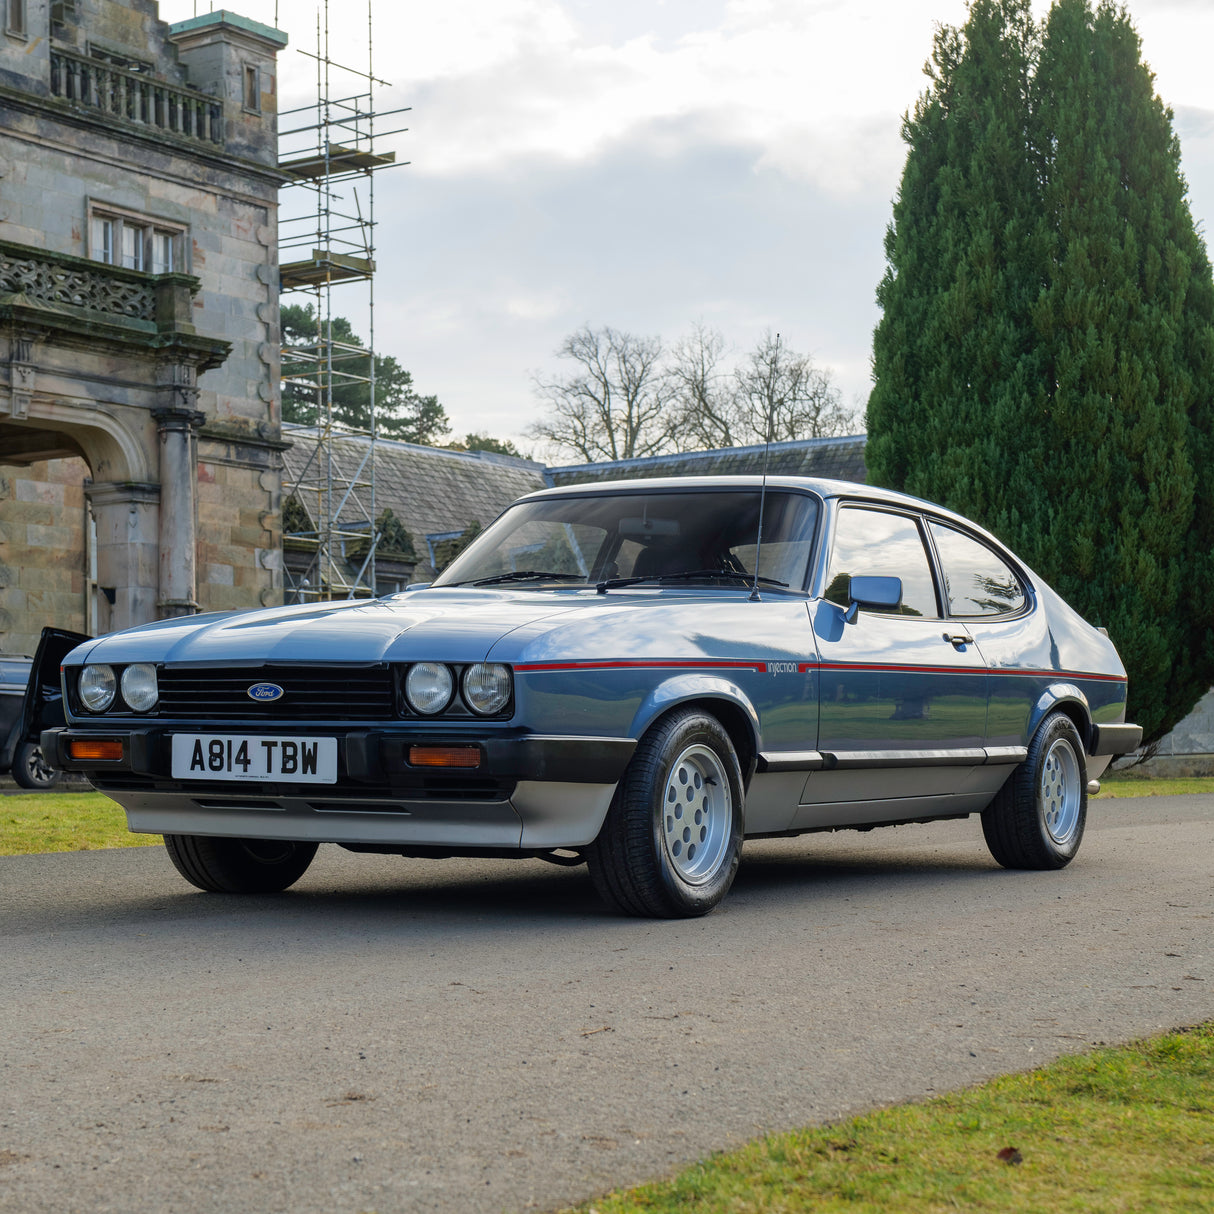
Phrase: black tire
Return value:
(30, 768)
(670, 845)
(1037, 818)
(239, 866)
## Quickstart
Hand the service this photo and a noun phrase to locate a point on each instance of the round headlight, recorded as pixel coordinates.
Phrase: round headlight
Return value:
(139, 688)
(487, 688)
(428, 687)
(97, 687)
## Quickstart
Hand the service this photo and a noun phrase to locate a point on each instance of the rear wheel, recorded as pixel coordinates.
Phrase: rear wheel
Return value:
(672, 839)
(239, 866)
(30, 768)
(1037, 818)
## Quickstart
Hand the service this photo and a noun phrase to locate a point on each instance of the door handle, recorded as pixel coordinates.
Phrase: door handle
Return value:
(958, 638)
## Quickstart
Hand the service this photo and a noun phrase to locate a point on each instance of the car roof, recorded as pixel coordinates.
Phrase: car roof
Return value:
(823, 487)
(818, 485)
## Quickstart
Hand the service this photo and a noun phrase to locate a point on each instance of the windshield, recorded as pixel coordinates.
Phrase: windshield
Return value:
(609, 538)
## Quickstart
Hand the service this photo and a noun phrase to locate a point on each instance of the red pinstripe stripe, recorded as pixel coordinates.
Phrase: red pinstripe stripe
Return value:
(998, 670)
(679, 664)
(804, 668)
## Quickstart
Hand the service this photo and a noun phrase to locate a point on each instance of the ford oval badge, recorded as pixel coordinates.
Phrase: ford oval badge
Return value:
(265, 691)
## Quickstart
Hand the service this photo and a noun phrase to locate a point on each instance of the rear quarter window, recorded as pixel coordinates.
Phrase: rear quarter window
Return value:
(977, 581)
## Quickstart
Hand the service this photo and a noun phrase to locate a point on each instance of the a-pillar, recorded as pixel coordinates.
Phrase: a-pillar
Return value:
(178, 428)
(126, 514)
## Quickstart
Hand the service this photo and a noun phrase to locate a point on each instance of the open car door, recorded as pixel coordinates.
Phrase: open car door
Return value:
(42, 709)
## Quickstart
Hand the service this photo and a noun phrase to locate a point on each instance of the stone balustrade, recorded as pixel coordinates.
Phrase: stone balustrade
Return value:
(136, 97)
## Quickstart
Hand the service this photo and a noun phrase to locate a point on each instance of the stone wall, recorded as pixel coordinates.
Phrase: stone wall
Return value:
(42, 530)
(1188, 750)
(170, 410)
(239, 535)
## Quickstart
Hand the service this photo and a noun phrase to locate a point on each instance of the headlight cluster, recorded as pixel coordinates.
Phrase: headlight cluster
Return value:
(99, 687)
(484, 687)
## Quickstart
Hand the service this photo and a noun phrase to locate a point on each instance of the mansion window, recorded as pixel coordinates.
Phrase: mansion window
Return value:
(137, 242)
(252, 88)
(14, 18)
(117, 59)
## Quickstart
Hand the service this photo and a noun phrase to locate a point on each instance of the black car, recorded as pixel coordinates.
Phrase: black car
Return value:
(29, 705)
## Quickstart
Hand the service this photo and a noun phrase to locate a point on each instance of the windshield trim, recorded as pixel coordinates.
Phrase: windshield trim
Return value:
(589, 491)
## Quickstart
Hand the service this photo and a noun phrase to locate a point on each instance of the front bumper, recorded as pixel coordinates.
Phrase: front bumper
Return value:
(529, 791)
(371, 756)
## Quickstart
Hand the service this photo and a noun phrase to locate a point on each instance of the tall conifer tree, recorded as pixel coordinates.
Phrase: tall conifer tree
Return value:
(952, 345)
(1083, 436)
(1126, 320)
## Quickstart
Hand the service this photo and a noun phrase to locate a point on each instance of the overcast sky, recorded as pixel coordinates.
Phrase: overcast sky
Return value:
(646, 164)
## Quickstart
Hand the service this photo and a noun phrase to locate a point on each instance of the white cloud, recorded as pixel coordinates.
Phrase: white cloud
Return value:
(644, 163)
(808, 83)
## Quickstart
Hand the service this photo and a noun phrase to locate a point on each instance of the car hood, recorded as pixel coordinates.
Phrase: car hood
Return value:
(455, 625)
(470, 625)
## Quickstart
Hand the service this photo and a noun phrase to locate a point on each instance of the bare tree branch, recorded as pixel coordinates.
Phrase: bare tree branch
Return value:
(703, 394)
(628, 397)
(615, 405)
(782, 395)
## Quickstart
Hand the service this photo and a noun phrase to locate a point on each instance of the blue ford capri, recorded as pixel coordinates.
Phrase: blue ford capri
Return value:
(636, 675)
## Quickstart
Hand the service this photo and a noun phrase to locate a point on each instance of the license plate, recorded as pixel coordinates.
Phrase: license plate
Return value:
(297, 760)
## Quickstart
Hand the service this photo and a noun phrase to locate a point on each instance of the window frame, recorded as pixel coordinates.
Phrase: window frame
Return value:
(1004, 556)
(150, 227)
(929, 552)
(119, 59)
(16, 19)
(662, 486)
(250, 87)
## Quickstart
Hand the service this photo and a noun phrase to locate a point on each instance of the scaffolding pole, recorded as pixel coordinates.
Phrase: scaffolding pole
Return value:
(330, 532)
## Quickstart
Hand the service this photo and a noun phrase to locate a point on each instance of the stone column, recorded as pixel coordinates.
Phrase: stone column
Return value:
(178, 428)
(127, 544)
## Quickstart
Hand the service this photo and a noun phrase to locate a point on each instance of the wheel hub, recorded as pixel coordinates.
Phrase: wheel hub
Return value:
(1058, 792)
(697, 814)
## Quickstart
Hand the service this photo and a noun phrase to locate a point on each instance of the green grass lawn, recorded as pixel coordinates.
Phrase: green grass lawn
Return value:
(85, 821)
(63, 821)
(1128, 1130)
(1130, 784)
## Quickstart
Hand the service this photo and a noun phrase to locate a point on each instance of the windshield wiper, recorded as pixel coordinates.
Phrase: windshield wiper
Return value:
(732, 575)
(523, 575)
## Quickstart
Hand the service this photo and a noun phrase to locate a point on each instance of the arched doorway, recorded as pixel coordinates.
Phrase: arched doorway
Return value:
(120, 401)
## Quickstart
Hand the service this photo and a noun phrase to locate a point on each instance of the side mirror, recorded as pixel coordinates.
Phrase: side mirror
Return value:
(877, 593)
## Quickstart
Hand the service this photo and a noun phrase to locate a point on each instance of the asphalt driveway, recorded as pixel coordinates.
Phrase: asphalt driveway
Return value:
(398, 1035)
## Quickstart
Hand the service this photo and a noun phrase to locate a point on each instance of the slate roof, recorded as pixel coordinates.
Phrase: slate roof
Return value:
(438, 493)
(432, 491)
(829, 458)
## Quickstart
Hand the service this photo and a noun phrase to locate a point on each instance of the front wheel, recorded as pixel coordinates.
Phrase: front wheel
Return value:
(30, 768)
(239, 866)
(672, 839)
(1037, 818)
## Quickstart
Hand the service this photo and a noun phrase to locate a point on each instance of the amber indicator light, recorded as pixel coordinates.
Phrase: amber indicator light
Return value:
(109, 750)
(444, 756)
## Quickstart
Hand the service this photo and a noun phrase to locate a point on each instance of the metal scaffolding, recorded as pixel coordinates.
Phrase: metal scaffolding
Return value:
(328, 151)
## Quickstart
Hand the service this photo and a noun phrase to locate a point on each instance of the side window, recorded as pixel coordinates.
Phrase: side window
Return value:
(977, 581)
(874, 543)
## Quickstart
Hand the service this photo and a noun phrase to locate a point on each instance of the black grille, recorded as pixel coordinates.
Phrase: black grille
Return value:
(310, 693)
